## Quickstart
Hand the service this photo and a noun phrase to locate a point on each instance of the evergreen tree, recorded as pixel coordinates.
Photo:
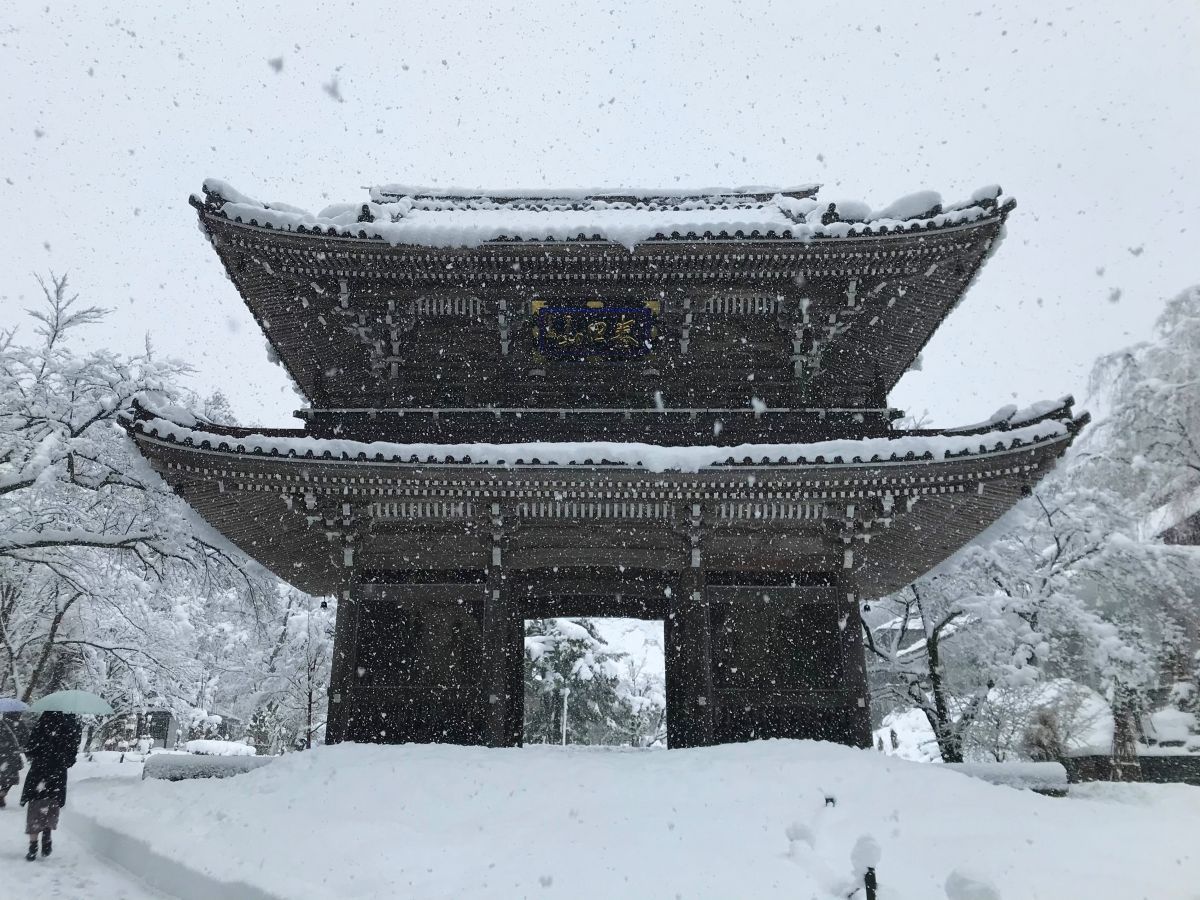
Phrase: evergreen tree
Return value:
(569, 669)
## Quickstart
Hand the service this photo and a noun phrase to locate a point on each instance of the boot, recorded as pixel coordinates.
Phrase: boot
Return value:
(32, 854)
(46, 848)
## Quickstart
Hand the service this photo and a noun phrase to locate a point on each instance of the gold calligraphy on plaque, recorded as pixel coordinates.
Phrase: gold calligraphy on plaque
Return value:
(594, 330)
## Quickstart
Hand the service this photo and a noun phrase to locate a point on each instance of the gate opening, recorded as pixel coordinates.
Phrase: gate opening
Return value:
(595, 681)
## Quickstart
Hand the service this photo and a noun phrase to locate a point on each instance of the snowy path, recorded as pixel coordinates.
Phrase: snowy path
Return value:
(72, 872)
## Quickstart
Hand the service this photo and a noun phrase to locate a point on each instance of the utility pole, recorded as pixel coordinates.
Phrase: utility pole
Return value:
(309, 665)
(566, 694)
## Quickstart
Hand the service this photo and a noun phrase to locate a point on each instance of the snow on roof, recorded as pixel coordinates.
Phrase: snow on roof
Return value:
(1011, 416)
(655, 458)
(453, 218)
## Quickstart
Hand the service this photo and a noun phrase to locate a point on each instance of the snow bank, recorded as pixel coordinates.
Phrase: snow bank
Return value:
(748, 820)
(400, 215)
(967, 886)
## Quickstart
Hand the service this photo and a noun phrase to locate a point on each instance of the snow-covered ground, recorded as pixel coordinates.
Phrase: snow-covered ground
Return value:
(748, 820)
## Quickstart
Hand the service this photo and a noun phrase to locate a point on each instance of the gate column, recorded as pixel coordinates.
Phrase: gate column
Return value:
(503, 651)
(687, 634)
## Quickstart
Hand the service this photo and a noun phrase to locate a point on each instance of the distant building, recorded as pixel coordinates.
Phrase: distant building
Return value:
(1176, 522)
(161, 727)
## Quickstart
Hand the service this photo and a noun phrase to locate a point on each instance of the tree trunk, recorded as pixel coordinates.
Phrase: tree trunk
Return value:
(308, 729)
(36, 676)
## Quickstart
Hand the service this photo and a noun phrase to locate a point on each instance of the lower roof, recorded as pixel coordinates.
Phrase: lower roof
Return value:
(1010, 429)
(885, 518)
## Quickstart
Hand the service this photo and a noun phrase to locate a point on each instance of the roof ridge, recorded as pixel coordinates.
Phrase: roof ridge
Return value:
(390, 193)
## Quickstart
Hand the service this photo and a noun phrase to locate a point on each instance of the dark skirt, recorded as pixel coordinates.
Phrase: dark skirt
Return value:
(42, 815)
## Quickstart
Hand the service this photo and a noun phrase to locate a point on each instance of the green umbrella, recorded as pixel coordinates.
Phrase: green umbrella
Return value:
(80, 703)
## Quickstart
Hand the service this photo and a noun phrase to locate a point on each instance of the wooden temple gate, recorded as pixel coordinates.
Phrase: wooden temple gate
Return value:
(516, 426)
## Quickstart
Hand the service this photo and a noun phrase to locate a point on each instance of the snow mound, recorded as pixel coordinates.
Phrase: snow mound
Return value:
(1172, 726)
(960, 886)
(749, 820)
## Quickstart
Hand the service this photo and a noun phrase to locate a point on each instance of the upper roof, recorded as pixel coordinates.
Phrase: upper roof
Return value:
(753, 297)
(414, 216)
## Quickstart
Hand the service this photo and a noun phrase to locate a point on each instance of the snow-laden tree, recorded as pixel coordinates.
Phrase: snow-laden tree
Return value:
(1146, 450)
(99, 560)
(641, 719)
(571, 675)
(1053, 590)
(1148, 446)
(290, 707)
(1068, 585)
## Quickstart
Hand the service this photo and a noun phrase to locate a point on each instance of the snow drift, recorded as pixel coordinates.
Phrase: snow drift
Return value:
(770, 819)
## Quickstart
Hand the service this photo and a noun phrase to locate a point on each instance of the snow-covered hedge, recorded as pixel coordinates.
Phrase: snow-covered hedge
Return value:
(182, 766)
(219, 748)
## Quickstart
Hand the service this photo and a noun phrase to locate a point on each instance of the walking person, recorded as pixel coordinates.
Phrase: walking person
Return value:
(10, 759)
(51, 750)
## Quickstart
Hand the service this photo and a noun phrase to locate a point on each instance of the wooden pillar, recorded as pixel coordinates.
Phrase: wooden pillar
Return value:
(341, 674)
(503, 656)
(503, 671)
(854, 671)
(345, 637)
(687, 634)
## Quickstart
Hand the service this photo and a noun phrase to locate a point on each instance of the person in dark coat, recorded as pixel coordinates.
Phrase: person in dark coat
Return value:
(10, 758)
(51, 750)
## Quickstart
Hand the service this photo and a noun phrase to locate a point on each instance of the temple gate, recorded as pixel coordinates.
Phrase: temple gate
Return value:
(662, 405)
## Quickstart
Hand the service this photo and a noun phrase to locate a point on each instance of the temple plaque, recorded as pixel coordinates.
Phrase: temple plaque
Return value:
(582, 333)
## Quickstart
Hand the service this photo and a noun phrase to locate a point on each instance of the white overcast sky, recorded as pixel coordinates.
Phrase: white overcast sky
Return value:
(111, 114)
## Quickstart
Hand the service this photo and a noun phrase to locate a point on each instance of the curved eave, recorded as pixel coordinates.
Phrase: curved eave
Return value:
(256, 500)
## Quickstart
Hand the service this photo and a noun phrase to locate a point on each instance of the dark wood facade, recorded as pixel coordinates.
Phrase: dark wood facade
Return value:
(471, 363)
